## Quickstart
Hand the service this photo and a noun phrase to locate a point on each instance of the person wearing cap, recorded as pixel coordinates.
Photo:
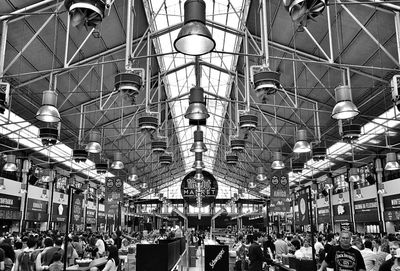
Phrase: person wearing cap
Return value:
(394, 262)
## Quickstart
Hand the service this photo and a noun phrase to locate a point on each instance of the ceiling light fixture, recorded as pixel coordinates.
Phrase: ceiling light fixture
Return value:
(148, 123)
(133, 175)
(344, 108)
(252, 184)
(198, 144)
(248, 121)
(94, 142)
(49, 136)
(231, 158)
(277, 162)
(391, 161)
(85, 12)
(197, 109)
(23, 189)
(129, 84)
(158, 145)
(48, 111)
(199, 175)
(194, 38)
(381, 189)
(198, 161)
(10, 163)
(302, 146)
(117, 163)
(261, 174)
(2, 187)
(354, 176)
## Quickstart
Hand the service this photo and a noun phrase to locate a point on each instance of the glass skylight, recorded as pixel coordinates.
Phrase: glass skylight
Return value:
(371, 130)
(26, 134)
(214, 82)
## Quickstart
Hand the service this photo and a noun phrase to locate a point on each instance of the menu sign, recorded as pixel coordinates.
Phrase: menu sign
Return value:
(10, 202)
(90, 216)
(37, 205)
(366, 210)
(324, 215)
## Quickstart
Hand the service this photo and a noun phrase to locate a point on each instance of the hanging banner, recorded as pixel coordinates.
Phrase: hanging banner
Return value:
(77, 209)
(208, 188)
(341, 212)
(303, 207)
(114, 195)
(280, 193)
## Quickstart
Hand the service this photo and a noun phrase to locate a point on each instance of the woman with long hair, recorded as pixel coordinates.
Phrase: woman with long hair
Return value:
(113, 259)
(9, 256)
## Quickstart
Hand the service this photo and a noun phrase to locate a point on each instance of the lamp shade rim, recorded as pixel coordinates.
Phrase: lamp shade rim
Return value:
(48, 113)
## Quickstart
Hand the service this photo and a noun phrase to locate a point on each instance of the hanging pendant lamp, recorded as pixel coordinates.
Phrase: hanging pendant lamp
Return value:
(302, 146)
(117, 163)
(344, 108)
(48, 112)
(391, 162)
(194, 38)
(133, 175)
(261, 174)
(277, 162)
(94, 142)
(197, 109)
(10, 164)
(198, 144)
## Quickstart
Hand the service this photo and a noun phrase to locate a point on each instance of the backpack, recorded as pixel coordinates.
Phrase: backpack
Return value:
(26, 261)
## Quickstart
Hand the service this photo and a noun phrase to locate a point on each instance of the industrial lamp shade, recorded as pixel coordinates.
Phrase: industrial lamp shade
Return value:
(252, 184)
(261, 174)
(198, 145)
(10, 164)
(194, 38)
(391, 162)
(48, 111)
(133, 175)
(198, 161)
(353, 175)
(94, 142)
(344, 108)
(277, 162)
(199, 175)
(2, 187)
(197, 109)
(302, 146)
(117, 164)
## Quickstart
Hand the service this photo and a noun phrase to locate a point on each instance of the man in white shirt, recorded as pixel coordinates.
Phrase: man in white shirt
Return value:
(369, 256)
(100, 246)
(281, 247)
(318, 245)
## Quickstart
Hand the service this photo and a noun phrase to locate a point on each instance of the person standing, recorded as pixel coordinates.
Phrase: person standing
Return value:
(281, 247)
(256, 255)
(390, 259)
(343, 257)
(369, 256)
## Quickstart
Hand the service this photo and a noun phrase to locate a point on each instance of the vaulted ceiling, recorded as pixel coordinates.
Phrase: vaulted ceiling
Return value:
(349, 42)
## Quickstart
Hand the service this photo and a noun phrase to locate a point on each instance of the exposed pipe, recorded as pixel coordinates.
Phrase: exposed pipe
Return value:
(25, 9)
(128, 49)
(264, 35)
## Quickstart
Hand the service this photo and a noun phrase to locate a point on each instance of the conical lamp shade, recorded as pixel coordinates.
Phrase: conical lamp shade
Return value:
(197, 111)
(391, 162)
(117, 164)
(302, 146)
(48, 111)
(94, 142)
(198, 146)
(344, 108)
(10, 165)
(194, 38)
(198, 165)
(133, 175)
(261, 174)
(277, 162)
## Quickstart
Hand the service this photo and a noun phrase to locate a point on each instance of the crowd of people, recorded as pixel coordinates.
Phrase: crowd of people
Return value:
(339, 252)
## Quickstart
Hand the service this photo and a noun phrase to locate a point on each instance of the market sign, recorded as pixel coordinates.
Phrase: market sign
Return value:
(8, 202)
(90, 216)
(366, 210)
(37, 205)
(101, 217)
(302, 202)
(208, 188)
(324, 215)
